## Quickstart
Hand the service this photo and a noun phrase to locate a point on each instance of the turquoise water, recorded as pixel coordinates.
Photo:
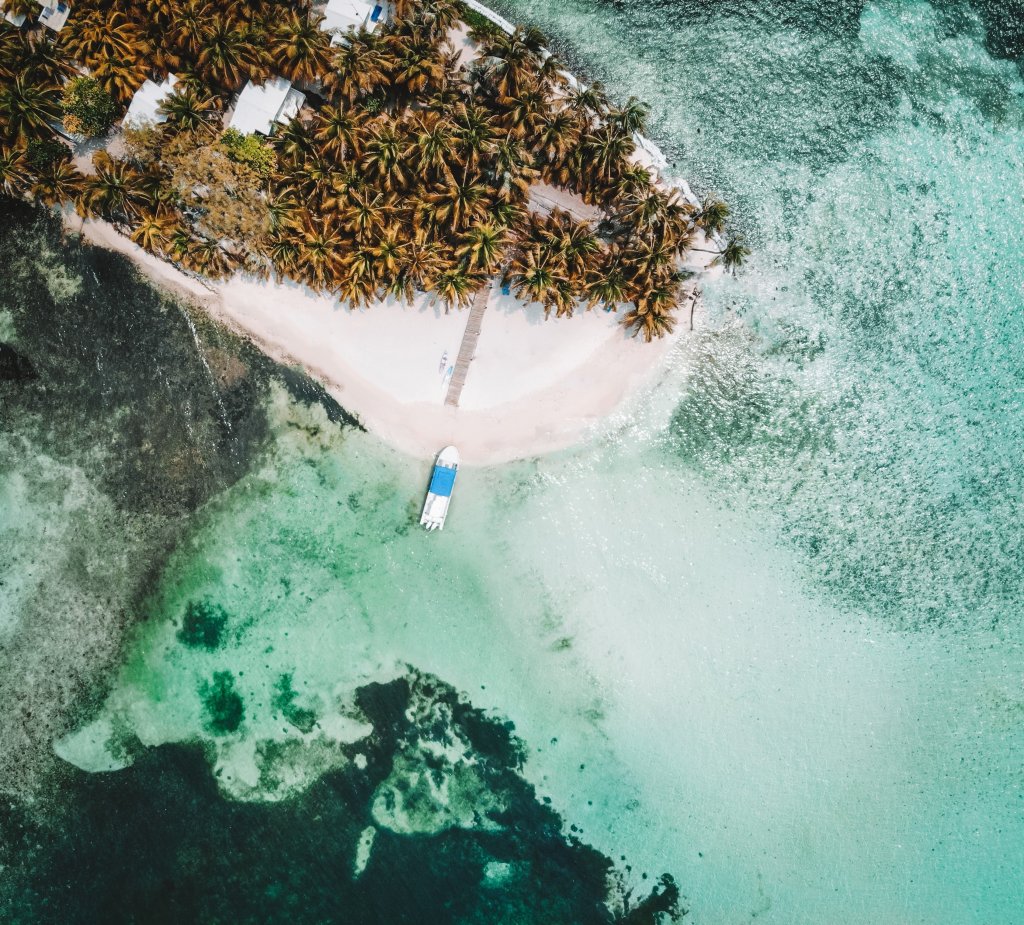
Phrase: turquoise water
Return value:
(766, 635)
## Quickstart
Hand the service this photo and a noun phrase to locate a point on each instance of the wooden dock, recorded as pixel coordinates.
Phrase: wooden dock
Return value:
(468, 349)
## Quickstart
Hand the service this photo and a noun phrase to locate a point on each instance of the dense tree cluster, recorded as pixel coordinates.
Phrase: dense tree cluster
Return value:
(409, 170)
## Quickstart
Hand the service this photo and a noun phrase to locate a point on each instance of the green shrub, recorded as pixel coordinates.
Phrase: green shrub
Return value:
(44, 154)
(477, 22)
(88, 109)
(249, 150)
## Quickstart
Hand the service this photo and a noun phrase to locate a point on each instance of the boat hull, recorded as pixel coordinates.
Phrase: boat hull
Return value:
(439, 495)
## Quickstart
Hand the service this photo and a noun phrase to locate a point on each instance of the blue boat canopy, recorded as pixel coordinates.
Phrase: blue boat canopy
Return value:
(442, 481)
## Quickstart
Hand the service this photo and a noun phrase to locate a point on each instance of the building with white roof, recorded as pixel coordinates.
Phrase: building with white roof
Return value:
(342, 15)
(144, 108)
(54, 14)
(261, 106)
(15, 19)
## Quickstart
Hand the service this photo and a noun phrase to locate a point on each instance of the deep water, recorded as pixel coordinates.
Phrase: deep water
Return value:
(764, 634)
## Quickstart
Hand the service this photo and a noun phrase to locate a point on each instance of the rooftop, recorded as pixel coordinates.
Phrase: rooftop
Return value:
(342, 15)
(259, 106)
(15, 19)
(54, 14)
(145, 105)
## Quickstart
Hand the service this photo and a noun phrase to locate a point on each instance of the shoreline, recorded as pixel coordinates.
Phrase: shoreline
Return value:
(532, 387)
(361, 358)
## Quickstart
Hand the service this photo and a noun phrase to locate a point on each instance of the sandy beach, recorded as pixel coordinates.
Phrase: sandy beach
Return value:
(535, 385)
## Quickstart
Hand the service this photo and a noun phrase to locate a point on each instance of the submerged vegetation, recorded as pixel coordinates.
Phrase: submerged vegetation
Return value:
(410, 167)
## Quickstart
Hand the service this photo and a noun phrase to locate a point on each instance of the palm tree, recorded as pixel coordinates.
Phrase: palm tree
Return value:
(358, 289)
(384, 158)
(420, 265)
(606, 151)
(513, 171)
(481, 247)
(389, 251)
(188, 110)
(632, 117)
(339, 131)
(526, 112)
(556, 135)
(733, 254)
(456, 286)
(367, 214)
(437, 18)
(433, 145)
(294, 142)
(114, 192)
(38, 58)
(474, 132)
(26, 110)
(633, 181)
(538, 278)
(509, 62)
(656, 214)
(609, 286)
(227, 55)
(13, 171)
(575, 243)
(298, 47)
(650, 256)
(187, 24)
(57, 183)
(319, 251)
(114, 47)
(357, 68)
(712, 215)
(588, 103)
(361, 264)
(96, 36)
(455, 204)
(417, 65)
(208, 258)
(153, 232)
(648, 324)
(653, 312)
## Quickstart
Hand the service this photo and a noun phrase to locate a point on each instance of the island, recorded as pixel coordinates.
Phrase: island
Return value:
(337, 180)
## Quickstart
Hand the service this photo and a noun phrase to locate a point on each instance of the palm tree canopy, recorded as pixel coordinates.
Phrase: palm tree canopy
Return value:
(410, 168)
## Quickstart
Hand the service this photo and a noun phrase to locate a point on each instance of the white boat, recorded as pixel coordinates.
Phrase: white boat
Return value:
(439, 495)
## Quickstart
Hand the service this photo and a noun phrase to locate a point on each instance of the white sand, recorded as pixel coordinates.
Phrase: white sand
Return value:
(535, 386)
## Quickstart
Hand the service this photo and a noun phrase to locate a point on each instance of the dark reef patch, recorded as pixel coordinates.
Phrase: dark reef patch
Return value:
(202, 626)
(122, 412)
(157, 843)
(13, 366)
(284, 700)
(222, 703)
(310, 392)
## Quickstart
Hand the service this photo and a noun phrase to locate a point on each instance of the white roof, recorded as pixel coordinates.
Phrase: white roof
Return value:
(16, 20)
(145, 105)
(54, 13)
(260, 106)
(342, 15)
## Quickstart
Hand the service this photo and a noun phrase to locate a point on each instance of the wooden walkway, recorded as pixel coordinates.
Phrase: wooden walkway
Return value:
(468, 348)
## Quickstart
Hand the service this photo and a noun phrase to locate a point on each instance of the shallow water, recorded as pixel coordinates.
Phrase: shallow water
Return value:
(764, 635)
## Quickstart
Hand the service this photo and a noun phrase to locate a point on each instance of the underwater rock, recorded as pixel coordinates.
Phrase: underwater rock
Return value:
(14, 367)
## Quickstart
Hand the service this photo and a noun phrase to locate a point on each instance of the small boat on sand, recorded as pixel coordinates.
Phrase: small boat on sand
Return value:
(439, 495)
